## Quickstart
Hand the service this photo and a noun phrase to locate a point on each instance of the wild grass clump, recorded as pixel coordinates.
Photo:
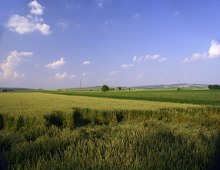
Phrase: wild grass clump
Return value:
(20, 122)
(56, 118)
(2, 125)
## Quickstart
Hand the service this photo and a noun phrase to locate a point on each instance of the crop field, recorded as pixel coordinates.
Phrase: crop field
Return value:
(112, 130)
(202, 97)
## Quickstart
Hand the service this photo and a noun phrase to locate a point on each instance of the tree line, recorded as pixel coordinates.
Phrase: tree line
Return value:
(215, 86)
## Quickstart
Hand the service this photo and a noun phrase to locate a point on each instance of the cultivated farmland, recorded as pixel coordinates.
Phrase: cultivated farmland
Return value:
(151, 130)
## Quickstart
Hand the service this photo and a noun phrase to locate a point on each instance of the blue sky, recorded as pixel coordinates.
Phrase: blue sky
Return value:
(57, 44)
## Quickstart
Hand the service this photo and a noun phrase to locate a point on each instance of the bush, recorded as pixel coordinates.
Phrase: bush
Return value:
(55, 118)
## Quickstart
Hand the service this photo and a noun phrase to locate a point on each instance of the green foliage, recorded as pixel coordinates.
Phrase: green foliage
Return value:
(201, 97)
(105, 88)
(213, 87)
(7, 90)
(56, 118)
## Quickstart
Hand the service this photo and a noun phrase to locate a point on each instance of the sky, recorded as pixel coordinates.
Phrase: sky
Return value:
(58, 44)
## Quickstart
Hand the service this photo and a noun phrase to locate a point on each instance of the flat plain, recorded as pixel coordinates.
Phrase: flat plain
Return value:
(146, 129)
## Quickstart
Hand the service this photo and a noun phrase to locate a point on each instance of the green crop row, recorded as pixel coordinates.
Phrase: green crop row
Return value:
(201, 97)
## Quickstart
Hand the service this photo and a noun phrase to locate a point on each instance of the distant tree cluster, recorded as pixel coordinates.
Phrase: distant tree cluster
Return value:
(6, 90)
(215, 86)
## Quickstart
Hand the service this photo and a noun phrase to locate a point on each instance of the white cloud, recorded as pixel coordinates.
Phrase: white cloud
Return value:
(100, 3)
(64, 76)
(29, 23)
(56, 64)
(21, 25)
(214, 50)
(137, 59)
(86, 62)
(136, 15)
(36, 8)
(43, 28)
(127, 65)
(10, 64)
(155, 57)
(17, 75)
(114, 72)
(194, 57)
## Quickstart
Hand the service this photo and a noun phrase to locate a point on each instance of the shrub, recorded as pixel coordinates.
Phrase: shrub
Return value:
(55, 118)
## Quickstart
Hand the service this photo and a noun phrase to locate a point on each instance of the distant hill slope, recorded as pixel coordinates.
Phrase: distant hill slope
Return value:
(184, 85)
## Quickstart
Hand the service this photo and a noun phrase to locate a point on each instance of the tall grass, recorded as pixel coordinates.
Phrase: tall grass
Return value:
(166, 138)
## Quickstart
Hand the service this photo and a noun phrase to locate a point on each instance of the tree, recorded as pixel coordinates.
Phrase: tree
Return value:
(105, 88)
(119, 88)
(215, 86)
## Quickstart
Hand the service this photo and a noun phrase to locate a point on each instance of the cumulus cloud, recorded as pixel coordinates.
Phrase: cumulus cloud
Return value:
(29, 23)
(64, 76)
(56, 64)
(127, 65)
(36, 8)
(21, 25)
(214, 52)
(86, 62)
(114, 72)
(155, 57)
(9, 66)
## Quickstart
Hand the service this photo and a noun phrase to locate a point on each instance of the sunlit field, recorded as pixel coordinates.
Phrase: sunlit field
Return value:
(202, 97)
(109, 85)
(52, 131)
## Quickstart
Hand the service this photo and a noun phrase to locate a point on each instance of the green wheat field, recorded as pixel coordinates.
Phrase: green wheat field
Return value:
(151, 129)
